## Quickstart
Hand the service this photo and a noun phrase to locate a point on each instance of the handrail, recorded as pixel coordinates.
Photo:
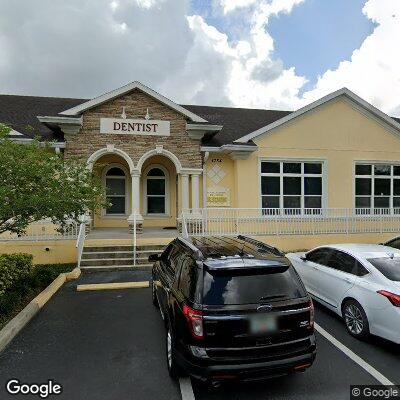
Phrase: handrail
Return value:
(134, 239)
(80, 242)
(185, 231)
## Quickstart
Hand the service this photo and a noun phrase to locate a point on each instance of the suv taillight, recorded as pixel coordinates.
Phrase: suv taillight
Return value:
(312, 314)
(393, 298)
(195, 321)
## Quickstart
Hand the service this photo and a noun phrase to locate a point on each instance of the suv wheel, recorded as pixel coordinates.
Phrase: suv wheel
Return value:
(153, 293)
(173, 368)
(355, 319)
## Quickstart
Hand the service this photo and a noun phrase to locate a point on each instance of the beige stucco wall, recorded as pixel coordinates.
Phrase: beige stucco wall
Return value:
(229, 181)
(337, 133)
(44, 252)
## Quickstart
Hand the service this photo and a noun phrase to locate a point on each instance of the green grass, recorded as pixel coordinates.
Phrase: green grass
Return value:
(16, 298)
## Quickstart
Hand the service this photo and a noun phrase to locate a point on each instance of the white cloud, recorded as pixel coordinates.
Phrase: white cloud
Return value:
(107, 43)
(373, 70)
(230, 5)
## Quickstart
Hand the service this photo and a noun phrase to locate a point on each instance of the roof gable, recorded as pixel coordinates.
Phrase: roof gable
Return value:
(75, 111)
(348, 94)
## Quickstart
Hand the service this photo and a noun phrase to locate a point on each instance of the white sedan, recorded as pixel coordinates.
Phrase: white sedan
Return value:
(360, 282)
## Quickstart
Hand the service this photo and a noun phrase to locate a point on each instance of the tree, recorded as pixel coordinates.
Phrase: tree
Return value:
(36, 183)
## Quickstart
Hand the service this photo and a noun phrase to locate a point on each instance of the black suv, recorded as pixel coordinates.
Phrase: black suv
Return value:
(234, 308)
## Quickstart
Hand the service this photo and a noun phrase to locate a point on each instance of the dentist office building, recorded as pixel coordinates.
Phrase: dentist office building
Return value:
(327, 172)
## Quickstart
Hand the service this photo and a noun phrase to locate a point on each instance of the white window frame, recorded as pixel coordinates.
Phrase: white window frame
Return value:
(302, 175)
(104, 182)
(166, 195)
(372, 176)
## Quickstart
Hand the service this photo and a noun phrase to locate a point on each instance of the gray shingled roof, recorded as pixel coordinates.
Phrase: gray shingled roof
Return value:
(20, 112)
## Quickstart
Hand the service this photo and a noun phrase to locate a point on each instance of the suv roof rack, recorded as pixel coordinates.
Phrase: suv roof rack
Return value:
(220, 247)
(262, 245)
(188, 243)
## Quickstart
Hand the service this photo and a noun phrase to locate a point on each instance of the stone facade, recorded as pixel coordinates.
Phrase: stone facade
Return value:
(136, 103)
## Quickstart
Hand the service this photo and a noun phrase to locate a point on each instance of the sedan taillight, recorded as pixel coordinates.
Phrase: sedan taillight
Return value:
(195, 321)
(392, 297)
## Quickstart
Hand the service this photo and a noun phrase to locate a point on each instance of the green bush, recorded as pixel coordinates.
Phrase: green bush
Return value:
(14, 268)
(30, 281)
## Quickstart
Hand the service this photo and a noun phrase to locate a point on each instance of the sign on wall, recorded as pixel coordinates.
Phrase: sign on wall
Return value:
(218, 197)
(135, 126)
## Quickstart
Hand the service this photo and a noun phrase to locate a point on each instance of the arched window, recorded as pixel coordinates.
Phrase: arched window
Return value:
(116, 191)
(155, 185)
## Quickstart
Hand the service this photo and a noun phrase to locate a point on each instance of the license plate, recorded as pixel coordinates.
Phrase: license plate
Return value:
(260, 324)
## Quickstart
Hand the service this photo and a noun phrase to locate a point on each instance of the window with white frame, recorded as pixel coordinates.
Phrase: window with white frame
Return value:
(377, 186)
(291, 185)
(155, 191)
(116, 191)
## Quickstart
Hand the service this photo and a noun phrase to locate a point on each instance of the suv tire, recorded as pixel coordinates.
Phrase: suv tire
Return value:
(355, 319)
(173, 367)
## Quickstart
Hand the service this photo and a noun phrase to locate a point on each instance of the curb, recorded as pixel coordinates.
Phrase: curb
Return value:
(13, 327)
(113, 286)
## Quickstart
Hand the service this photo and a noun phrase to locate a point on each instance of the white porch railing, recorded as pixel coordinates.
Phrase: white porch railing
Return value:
(80, 242)
(267, 221)
(44, 230)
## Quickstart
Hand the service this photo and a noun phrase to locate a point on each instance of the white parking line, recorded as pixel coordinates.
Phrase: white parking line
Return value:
(186, 389)
(363, 364)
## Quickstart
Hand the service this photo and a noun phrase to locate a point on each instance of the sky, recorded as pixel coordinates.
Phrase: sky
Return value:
(271, 54)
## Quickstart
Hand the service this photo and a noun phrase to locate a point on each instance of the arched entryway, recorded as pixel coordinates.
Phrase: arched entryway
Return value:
(114, 173)
(115, 183)
(159, 192)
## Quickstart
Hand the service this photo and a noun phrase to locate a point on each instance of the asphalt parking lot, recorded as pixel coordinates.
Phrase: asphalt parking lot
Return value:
(110, 345)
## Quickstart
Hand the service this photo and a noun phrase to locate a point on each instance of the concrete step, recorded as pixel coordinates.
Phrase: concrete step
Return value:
(98, 249)
(106, 254)
(151, 247)
(107, 261)
(109, 268)
(113, 261)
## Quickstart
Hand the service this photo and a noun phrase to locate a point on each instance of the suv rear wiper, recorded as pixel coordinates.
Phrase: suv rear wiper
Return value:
(276, 296)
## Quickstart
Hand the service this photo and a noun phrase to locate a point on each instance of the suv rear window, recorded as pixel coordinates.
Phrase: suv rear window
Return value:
(230, 288)
(390, 267)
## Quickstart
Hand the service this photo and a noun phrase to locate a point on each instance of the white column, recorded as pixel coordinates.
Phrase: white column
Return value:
(195, 192)
(185, 191)
(135, 199)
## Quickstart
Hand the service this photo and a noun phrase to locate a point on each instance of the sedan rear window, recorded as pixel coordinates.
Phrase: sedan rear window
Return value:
(230, 288)
(388, 266)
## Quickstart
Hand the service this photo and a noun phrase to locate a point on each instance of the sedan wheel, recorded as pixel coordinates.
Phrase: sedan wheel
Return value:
(355, 319)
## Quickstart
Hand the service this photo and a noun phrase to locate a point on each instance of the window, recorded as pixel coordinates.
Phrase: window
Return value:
(292, 185)
(116, 191)
(388, 266)
(395, 243)
(377, 187)
(156, 191)
(319, 256)
(343, 262)
(230, 288)
(188, 278)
